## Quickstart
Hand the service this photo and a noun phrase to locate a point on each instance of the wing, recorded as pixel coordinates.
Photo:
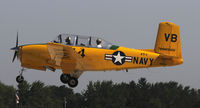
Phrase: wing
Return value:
(66, 57)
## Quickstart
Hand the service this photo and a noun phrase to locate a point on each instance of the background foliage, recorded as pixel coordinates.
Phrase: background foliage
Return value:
(104, 94)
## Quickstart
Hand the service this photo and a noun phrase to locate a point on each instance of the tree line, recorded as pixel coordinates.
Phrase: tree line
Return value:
(104, 94)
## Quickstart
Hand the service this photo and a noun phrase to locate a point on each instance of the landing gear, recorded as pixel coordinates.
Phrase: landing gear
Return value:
(64, 78)
(68, 79)
(20, 78)
(73, 82)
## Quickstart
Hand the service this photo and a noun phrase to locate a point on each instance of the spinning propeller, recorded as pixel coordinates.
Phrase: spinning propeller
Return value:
(16, 48)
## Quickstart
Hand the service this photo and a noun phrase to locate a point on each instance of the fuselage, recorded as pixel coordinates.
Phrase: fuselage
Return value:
(37, 56)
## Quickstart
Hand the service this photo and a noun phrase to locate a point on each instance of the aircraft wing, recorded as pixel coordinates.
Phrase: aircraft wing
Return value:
(65, 57)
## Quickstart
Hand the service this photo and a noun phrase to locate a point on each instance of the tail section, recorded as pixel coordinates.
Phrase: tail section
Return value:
(168, 42)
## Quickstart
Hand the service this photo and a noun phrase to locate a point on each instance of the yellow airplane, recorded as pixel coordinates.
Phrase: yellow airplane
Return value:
(74, 54)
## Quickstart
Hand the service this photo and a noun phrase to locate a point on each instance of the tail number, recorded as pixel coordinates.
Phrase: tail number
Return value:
(173, 37)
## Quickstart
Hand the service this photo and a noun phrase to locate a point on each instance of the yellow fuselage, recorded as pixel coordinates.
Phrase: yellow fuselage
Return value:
(37, 57)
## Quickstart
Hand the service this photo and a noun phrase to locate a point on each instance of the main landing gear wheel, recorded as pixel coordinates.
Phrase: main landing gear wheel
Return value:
(73, 82)
(64, 78)
(20, 79)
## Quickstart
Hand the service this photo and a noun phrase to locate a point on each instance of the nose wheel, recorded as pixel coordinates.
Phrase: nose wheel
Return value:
(20, 78)
(68, 79)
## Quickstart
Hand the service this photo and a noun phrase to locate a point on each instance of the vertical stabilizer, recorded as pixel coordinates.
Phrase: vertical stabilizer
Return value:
(168, 40)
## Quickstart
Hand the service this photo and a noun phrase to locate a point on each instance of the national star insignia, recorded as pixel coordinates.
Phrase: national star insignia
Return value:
(118, 58)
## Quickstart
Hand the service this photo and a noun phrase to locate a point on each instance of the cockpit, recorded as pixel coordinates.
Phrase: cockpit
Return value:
(83, 41)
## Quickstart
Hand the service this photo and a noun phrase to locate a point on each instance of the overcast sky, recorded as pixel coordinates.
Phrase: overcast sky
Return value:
(129, 23)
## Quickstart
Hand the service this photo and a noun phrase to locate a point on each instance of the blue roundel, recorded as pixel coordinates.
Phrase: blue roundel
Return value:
(118, 58)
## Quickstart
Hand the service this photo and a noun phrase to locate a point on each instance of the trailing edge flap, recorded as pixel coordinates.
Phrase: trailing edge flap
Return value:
(65, 57)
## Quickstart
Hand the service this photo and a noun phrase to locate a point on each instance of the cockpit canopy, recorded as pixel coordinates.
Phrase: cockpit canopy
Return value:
(84, 41)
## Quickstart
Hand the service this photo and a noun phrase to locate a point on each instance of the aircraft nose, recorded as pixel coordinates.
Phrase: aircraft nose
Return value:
(16, 53)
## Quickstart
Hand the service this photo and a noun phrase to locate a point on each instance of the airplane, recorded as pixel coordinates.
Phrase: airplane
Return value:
(75, 54)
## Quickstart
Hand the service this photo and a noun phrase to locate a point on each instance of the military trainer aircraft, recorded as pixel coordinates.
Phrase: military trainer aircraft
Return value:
(74, 54)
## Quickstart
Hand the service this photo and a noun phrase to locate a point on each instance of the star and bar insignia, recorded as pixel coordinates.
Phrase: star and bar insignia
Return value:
(118, 58)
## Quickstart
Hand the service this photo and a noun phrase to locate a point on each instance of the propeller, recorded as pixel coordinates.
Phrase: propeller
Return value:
(16, 48)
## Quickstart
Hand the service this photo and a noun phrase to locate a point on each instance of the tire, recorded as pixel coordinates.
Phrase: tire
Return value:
(64, 78)
(73, 82)
(19, 79)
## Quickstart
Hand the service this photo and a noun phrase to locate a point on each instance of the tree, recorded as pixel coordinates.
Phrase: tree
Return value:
(7, 96)
(105, 94)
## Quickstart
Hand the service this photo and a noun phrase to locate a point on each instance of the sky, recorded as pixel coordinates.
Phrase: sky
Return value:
(128, 23)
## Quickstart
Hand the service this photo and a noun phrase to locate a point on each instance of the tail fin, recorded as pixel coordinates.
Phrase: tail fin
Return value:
(168, 40)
